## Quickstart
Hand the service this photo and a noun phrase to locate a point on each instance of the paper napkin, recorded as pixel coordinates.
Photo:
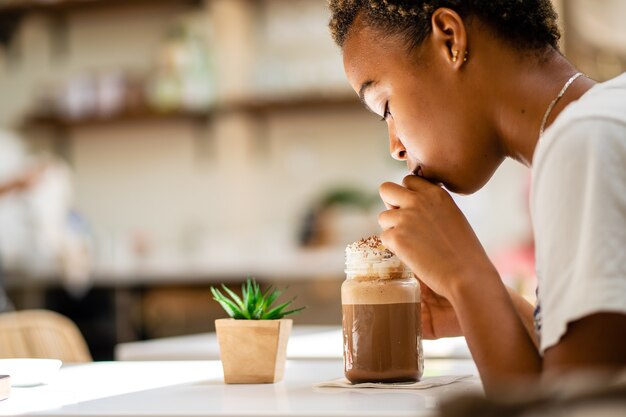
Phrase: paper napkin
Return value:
(424, 383)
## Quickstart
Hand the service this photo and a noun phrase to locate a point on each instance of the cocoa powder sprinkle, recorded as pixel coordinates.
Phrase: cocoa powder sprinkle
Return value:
(372, 245)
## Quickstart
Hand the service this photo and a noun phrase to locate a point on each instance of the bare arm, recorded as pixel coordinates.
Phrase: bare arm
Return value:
(525, 311)
(440, 320)
(598, 340)
(499, 341)
(425, 229)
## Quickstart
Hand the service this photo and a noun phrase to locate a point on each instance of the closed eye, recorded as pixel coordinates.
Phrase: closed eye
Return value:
(386, 112)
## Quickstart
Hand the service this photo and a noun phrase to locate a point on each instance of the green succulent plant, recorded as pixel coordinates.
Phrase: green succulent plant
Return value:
(253, 304)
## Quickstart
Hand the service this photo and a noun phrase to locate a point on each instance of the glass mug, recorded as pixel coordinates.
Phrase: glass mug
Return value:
(382, 331)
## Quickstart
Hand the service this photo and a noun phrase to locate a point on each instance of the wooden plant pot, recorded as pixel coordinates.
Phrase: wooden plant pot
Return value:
(253, 351)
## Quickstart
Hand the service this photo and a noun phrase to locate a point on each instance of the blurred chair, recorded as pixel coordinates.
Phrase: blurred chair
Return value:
(41, 334)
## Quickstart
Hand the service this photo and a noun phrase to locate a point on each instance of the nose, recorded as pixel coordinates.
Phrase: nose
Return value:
(396, 148)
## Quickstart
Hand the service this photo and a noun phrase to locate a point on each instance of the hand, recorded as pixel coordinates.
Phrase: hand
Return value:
(438, 316)
(428, 232)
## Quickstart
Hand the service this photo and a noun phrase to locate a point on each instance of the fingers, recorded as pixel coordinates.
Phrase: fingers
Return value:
(390, 218)
(397, 196)
(394, 195)
(389, 206)
(415, 183)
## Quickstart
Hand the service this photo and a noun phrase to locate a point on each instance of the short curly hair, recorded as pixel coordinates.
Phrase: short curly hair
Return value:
(530, 24)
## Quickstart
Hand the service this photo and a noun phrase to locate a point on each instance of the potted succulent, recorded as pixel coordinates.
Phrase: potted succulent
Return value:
(253, 342)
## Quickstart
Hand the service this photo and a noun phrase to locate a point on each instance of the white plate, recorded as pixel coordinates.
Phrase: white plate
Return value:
(28, 372)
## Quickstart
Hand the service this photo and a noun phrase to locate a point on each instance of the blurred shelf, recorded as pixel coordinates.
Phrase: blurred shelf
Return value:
(60, 122)
(295, 264)
(255, 106)
(53, 6)
(299, 103)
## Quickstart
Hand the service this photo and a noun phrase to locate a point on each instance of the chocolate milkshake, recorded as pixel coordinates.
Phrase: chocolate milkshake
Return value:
(381, 316)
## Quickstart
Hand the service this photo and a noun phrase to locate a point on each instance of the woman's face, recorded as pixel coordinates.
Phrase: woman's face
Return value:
(433, 110)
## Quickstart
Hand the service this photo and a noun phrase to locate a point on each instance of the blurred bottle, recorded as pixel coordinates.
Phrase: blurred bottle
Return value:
(183, 77)
(78, 98)
(111, 92)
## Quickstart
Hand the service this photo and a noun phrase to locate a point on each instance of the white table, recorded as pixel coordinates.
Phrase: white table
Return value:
(305, 342)
(196, 388)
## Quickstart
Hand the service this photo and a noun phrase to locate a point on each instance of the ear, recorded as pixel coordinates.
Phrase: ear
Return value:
(449, 36)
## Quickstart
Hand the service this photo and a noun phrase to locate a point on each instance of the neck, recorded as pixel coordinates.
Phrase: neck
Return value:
(523, 95)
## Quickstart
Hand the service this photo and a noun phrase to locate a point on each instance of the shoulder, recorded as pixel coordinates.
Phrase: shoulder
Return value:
(590, 128)
(584, 149)
(604, 101)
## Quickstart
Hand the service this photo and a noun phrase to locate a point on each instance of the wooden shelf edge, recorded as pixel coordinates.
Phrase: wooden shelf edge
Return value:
(292, 103)
(257, 105)
(64, 123)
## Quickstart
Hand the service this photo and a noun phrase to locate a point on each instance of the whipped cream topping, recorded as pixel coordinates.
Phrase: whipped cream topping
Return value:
(370, 254)
(370, 247)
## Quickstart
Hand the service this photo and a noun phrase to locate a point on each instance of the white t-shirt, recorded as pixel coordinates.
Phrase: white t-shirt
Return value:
(578, 207)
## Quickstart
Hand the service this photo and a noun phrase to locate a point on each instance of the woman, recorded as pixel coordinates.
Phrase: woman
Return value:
(463, 84)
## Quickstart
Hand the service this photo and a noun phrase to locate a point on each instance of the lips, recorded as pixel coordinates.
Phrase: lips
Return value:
(418, 171)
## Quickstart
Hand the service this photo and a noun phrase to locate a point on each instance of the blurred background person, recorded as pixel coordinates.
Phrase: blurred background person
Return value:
(40, 231)
(14, 179)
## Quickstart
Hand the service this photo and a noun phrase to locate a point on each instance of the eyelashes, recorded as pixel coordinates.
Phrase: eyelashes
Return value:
(386, 112)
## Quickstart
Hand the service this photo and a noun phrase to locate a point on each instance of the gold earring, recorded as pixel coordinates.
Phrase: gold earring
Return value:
(455, 55)
(465, 57)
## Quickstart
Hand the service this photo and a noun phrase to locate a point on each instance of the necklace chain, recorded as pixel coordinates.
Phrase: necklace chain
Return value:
(553, 103)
